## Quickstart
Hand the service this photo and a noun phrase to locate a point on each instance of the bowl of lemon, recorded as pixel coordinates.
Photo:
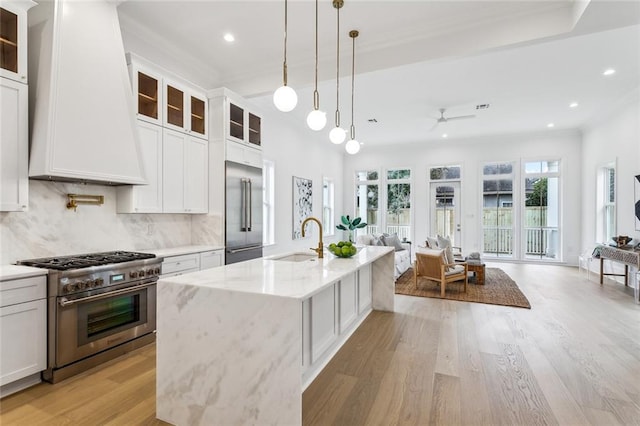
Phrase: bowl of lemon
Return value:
(343, 249)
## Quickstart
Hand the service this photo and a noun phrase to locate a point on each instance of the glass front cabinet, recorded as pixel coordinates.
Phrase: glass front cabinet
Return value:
(13, 39)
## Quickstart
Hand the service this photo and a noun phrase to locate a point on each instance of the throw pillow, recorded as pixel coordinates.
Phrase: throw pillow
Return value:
(393, 241)
(365, 240)
(444, 242)
(448, 254)
(432, 243)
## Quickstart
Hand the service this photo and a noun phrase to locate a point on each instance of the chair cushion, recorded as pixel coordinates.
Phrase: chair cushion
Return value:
(454, 270)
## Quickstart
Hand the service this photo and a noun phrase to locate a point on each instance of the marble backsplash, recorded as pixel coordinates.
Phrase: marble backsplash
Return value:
(48, 228)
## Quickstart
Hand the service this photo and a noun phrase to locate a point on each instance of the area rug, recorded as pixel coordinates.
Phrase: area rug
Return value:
(499, 289)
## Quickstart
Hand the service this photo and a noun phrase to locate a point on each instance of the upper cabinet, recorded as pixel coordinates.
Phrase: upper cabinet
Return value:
(167, 101)
(173, 140)
(14, 109)
(234, 119)
(14, 146)
(13, 39)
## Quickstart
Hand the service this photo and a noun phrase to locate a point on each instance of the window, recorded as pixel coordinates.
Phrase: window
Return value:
(398, 218)
(606, 202)
(445, 173)
(268, 203)
(540, 225)
(328, 215)
(367, 201)
(497, 209)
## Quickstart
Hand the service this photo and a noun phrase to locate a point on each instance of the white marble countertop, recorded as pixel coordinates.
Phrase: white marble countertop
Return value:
(298, 280)
(13, 272)
(177, 251)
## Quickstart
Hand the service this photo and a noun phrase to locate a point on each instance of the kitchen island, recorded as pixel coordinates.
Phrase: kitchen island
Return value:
(238, 344)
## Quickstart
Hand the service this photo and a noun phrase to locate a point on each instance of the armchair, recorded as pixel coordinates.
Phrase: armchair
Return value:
(431, 264)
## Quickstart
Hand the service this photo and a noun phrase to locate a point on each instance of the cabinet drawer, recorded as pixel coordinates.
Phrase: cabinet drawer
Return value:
(211, 259)
(175, 264)
(23, 290)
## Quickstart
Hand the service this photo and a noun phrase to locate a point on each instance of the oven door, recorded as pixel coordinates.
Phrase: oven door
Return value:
(91, 324)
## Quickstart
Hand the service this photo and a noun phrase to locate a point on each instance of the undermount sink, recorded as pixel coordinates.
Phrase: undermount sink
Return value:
(297, 257)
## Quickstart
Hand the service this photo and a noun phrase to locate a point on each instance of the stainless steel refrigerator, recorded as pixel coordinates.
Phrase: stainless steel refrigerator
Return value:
(243, 218)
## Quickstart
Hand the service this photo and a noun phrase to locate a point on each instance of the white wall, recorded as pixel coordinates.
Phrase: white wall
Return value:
(615, 138)
(471, 155)
(298, 151)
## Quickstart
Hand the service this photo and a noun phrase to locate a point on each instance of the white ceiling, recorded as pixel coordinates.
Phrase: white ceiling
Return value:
(527, 59)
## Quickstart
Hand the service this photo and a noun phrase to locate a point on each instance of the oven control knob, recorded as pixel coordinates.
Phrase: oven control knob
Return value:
(98, 282)
(87, 284)
(141, 273)
(149, 272)
(133, 274)
(80, 285)
(68, 288)
(157, 270)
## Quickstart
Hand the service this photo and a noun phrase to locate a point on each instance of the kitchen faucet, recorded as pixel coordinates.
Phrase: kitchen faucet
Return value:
(319, 249)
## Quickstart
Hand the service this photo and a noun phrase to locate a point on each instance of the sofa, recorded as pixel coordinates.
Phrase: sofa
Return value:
(402, 255)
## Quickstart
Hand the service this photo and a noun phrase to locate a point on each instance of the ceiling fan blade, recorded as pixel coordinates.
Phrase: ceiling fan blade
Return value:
(434, 126)
(460, 117)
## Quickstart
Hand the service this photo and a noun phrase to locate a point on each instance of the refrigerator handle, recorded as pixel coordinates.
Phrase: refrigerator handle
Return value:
(246, 205)
(243, 205)
(250, 223)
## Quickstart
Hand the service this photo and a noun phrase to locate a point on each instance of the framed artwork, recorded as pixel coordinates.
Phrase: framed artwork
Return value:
(302, 204)
(636, 184)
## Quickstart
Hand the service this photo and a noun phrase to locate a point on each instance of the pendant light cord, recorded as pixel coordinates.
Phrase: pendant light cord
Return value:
(316, 96)
(338, 69)
(353, 35)
(284, 65)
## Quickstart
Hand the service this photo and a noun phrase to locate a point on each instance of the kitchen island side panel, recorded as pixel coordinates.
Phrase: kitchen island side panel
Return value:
(226, 357)
(383, 283)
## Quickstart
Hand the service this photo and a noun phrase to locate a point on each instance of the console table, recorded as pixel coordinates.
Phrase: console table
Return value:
(628, 257)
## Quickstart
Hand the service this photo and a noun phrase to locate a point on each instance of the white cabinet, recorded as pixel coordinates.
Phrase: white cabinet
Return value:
(23, 340)
(145, 198)
(211, 259)
(146, 84)
(235, 120)
(330, 316)
(182, 264)
(185, 109)
(13, 40)
(243, 154)
(323, 322)
(173, 131)
(191, 262)
(184, 173)
(348, 301)
(14, 146)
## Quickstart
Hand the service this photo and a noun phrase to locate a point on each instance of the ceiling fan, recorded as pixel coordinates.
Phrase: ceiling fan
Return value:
(443, 119)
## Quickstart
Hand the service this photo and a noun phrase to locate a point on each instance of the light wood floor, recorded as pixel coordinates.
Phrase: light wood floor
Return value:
(573, 359)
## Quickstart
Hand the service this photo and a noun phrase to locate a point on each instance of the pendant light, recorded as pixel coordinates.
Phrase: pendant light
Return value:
(316, 119)
(353, 146)
(337, 135)
(285, 98)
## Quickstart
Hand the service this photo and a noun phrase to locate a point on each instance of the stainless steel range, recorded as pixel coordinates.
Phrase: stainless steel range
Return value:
(100, 306)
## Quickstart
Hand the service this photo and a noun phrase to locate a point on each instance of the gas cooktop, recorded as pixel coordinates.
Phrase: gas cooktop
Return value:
(65, 263)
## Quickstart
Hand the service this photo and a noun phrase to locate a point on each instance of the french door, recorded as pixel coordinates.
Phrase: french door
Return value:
(444, 206)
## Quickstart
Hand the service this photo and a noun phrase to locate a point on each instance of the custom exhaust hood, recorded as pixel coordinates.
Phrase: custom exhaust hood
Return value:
(82, 115)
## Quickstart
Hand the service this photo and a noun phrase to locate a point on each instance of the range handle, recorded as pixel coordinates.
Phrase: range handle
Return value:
(63, 301)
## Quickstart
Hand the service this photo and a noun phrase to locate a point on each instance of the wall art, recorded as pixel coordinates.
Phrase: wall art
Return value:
(302, 204)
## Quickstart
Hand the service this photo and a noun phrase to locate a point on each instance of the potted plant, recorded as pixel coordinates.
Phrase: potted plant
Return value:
(350, 225)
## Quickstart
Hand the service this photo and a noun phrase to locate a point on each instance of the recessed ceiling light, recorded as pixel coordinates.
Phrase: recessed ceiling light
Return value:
(444, 135)
(573, 105)
(550, 125)
(229, 37)
(609, 71)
